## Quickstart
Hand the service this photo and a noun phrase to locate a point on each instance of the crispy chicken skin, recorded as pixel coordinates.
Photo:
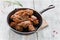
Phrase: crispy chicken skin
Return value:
(30, 12)
(15, 16)
(20, 12)
(17, 20)
(35, 22)
(13, 24)
(25, 24)
(19, 28)
(22, 24)
(34, 19)
(31, 28)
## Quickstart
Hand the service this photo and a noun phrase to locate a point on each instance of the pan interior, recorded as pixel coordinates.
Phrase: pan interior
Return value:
(35, 14)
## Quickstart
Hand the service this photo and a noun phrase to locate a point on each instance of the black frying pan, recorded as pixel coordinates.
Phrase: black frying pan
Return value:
(37, 14)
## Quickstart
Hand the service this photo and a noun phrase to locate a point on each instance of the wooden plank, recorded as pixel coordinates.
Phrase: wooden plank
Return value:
(27, 4)
(45, 34)
(14, 36)
(7, 34)
(42, 4)
(56, 23)
(51, 16)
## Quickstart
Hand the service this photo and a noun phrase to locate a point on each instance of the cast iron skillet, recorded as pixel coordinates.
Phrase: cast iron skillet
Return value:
(37, 14)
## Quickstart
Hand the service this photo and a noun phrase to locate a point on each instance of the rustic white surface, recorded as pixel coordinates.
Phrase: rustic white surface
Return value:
(52, 17)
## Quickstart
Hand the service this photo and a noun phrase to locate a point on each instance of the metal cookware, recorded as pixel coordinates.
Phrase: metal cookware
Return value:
(37, 14)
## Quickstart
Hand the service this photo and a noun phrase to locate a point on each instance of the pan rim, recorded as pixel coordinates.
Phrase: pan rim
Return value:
(19, 31)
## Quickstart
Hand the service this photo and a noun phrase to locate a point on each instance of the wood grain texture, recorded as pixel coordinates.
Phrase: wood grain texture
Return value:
(52, 17)
(5, 32)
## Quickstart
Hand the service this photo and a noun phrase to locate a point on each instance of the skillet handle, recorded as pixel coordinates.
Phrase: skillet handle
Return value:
(49, 7)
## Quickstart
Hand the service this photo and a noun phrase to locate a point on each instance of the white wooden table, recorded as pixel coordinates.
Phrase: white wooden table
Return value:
(52, 32)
